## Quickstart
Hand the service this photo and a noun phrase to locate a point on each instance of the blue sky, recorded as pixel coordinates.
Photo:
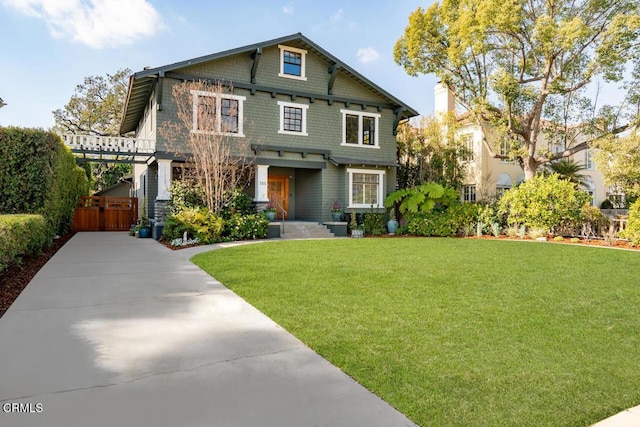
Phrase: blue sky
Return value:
(47, 47)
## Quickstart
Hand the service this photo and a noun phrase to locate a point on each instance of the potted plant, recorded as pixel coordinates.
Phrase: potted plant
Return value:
(336, 211)
(392, 224)
(144, 225)
(270, 210)
(356, 230)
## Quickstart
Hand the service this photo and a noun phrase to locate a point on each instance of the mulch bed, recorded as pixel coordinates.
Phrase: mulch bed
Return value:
(16, 277)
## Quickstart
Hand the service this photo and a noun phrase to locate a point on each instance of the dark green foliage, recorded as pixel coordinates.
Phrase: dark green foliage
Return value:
(246, 227)
(238, 202)
(21, 235)
(39, 175)
(446, 222)
(374, 223)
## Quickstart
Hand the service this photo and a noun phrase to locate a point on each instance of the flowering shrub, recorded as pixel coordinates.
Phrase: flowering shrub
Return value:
(246, 227)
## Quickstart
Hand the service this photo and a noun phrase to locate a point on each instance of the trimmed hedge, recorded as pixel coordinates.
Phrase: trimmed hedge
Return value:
(39, 176)
(21, 235)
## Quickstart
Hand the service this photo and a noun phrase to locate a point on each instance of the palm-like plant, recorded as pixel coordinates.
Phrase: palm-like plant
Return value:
(567, 169)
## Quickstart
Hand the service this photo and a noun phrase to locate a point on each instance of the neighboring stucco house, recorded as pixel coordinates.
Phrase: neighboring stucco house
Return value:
(319, 130)
(489, 177)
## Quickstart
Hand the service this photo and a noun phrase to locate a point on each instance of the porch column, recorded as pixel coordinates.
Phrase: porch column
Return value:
(262, 189)
(164, 179)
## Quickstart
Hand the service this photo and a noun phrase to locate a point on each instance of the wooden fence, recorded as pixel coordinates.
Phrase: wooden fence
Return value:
(102, 213)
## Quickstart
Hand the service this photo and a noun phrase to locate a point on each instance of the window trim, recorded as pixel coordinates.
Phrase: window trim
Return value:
(303, 53)
(468, 142)
(588, 160)
(381, 175)
(464, 193)
(304, 107)
(360, 114)
(218, 96)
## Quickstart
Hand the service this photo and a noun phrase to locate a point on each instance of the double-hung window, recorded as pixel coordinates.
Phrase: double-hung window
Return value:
(468, 146)
(365, 188)
(293, 118)
(217, 113)
(360, 129)
(292, 62)
(469, 193)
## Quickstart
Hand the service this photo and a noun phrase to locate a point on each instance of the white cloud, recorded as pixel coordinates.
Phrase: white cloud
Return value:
(367, 54)
(337, 16)
(288, 9)
(95, 23)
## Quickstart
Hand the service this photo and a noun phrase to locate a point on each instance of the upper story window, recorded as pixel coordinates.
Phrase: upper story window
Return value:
(467, 144)
(292, 62)
(360, 128)
(588, 159)
(217, 113)
(293, 118)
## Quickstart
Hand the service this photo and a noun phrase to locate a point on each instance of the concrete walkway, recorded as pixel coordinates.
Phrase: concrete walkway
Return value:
(122, 331)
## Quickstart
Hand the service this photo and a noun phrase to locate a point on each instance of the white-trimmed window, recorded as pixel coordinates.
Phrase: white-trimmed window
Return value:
(588, 159)
(360, 129)
(467, 144)
(292, 62)
(293, 118)
(217, 113)
(365, 188)
(469, 193)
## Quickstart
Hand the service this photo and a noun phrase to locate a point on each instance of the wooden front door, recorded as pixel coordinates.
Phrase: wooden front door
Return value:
(279, 193)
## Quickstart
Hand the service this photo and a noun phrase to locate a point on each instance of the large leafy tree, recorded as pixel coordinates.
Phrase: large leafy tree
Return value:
(96, 109)
(522, 68)
(425, 156)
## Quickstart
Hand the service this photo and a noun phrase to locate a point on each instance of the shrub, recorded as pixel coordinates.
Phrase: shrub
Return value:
(374, 223)
(632, 232)
(39, 176)
(246, 227)
(238, 202)
(184, 195)
(558, 239)
(21, 235)
(200, 223)
(543, 202)
(447, 222)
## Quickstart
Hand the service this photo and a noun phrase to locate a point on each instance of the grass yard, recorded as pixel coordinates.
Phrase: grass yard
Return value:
(458, 331)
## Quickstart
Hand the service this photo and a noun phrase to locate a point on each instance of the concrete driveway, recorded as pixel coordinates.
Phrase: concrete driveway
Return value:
(122, 331)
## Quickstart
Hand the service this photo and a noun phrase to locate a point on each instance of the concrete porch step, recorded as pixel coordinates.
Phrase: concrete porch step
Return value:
(305, 230)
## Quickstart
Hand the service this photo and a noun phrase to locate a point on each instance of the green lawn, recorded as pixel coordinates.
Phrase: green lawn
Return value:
(458, 331)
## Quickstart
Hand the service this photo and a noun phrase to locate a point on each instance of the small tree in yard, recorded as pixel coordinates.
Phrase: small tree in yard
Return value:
(205, 133)
(544, 202)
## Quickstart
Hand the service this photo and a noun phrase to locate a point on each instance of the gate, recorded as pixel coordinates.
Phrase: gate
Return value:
(102, 213)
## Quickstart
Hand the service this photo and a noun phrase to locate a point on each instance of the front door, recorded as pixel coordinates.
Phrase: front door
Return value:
(279, 193)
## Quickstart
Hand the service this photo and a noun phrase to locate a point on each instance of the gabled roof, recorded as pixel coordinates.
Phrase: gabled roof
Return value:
(142, 82)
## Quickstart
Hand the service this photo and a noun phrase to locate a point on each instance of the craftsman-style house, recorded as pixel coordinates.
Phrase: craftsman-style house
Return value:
(319, 130)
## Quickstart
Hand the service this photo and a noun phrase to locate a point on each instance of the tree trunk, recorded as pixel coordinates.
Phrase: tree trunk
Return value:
(529, 165)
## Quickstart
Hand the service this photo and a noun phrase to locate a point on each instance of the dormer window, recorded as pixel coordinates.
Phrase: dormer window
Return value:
(292, 62)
